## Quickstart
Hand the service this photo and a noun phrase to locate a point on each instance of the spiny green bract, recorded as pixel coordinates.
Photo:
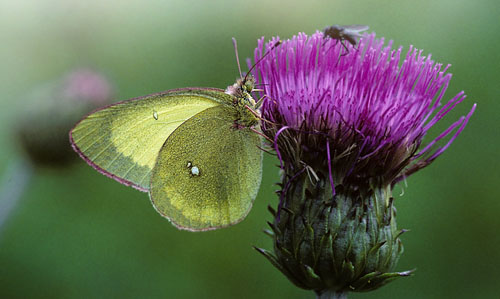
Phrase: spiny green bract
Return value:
(348, 244)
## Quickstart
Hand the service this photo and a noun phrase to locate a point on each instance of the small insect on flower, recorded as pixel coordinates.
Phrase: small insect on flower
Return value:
(349, 33)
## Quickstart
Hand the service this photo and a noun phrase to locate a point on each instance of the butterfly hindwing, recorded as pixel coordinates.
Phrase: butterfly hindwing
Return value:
(123, 140)
(208, 171)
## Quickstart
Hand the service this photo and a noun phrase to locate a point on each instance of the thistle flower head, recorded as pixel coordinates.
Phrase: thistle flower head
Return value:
(348, 121)
(372, 106)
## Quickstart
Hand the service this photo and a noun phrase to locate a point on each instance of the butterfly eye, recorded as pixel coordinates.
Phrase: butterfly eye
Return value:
(250, 84)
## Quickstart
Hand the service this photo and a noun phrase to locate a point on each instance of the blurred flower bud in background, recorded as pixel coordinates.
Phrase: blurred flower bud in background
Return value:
(42, 128)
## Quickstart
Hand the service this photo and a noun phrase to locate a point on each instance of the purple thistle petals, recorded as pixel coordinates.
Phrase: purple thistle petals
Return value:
(445, 109)
(382, 104)
(462, 122)
(441, 136)
(417, 165)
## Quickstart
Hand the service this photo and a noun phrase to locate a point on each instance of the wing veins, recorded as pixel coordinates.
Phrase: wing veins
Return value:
(84, 137)
(127, 130)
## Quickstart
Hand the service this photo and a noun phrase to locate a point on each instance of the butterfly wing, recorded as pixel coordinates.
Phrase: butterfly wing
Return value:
(208, 172)
(123, 140)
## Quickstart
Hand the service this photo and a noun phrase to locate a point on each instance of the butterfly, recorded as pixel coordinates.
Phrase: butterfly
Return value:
(196, 151)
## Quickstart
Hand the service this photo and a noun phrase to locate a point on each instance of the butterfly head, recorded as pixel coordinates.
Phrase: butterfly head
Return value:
(248, 83)
(247, 114)
(246, 106)
(244, 86)
(242, 89)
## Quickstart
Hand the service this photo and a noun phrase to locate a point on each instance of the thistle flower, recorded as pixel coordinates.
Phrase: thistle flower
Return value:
(346, 128)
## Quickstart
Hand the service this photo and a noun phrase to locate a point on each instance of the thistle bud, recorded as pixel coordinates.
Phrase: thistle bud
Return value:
(52, 110)
(346, 128)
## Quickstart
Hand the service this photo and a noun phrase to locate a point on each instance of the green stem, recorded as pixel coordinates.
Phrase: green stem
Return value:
(331, 295)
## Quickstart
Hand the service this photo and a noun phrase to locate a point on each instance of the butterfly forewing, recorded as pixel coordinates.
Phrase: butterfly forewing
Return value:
(123, 140)
(208, 171)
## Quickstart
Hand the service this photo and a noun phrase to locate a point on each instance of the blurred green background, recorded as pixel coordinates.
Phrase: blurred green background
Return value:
(77, 234)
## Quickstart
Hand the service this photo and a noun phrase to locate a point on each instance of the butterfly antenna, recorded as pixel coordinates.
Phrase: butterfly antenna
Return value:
(237, 58)
(258, 61)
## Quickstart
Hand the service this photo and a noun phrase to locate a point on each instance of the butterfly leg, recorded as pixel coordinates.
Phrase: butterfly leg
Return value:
(260, 101)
